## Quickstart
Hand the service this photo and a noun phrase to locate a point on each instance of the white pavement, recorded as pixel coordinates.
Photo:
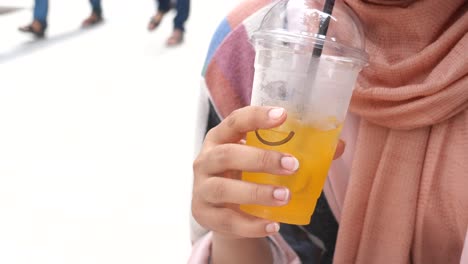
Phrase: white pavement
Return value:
(97, 134)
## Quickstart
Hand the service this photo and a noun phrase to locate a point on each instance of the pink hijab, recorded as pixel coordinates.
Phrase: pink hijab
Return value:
(407, 197)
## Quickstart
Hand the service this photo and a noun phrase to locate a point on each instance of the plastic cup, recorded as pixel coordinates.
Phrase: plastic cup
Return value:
(315, 91)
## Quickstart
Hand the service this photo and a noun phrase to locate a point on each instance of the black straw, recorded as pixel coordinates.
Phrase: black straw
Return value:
(323, 28)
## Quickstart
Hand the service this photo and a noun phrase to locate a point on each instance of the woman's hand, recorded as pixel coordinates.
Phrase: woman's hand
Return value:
(218, 190)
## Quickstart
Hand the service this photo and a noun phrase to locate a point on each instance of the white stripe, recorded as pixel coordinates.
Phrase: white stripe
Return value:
(464, 257)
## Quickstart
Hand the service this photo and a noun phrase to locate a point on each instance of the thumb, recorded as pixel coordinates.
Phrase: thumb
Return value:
(340, 148)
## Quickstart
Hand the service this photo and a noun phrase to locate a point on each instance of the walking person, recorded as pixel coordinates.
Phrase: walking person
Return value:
(182, 8)
(41, 9)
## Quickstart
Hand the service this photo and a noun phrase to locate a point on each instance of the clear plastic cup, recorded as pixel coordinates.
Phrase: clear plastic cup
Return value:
(312, 76)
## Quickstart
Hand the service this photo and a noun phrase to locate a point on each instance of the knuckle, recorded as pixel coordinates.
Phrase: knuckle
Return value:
(264, 159)
(216, 190)
(256, 193)
(256, 110)
(231, 119)
(198, 164)
(210, 133)
(223, 154)
(253, 118)
(198, 213)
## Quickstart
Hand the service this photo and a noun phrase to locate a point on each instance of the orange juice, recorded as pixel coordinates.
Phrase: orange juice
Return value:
(314, 146)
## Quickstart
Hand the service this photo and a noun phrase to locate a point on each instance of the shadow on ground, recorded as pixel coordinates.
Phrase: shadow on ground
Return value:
(6, 10)
(34, 45)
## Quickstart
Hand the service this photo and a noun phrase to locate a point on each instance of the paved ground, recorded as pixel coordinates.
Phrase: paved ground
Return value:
(96, 134)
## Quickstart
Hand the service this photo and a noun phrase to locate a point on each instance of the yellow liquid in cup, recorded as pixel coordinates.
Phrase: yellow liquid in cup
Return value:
(314, 146)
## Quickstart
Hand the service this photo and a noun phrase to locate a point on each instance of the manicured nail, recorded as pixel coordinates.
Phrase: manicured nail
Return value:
(276, 113)
(290, 163)
(281, 194)
(272, 228)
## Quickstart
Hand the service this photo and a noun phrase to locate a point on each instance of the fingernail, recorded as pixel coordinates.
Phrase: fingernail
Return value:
(272, 228)
(290, 163)
(281, 194)
(276, 113)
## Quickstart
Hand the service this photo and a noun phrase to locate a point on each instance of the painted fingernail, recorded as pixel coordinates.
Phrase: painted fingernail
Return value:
(281, 194)
(290, 163)
(272, 228)
(276, 113)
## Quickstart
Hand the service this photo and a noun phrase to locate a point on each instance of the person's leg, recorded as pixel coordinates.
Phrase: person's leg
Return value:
(163, 6)
(41, 8)
(96, 6)
(96, 14)
(183, 9)
(39, 24)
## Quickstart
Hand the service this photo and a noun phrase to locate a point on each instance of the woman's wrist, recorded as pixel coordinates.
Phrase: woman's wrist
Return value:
(227, 250)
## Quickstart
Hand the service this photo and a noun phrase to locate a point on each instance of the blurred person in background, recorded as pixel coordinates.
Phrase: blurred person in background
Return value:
(182, 8)
(41, 8)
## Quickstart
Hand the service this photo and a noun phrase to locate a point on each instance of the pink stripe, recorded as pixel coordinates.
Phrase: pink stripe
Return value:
(236, 63)
(224, 96)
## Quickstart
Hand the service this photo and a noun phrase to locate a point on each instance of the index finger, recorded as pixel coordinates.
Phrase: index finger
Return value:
(234, 127)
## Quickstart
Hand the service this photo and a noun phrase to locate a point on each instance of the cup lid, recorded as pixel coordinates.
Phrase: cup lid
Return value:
(327, 26)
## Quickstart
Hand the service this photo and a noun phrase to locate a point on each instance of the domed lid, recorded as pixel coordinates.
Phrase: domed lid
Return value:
(328, 27)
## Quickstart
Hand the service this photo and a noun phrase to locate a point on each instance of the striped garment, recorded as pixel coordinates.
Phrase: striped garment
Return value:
(228, 75)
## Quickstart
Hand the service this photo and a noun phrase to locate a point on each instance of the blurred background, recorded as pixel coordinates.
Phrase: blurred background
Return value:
(97, 133)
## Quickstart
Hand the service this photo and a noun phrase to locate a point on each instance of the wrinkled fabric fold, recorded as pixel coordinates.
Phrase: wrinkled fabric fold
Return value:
(406, 200)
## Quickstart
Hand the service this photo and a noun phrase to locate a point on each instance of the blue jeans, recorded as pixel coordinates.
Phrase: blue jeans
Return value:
(96, 6)
(182, 8)
(41, 8)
